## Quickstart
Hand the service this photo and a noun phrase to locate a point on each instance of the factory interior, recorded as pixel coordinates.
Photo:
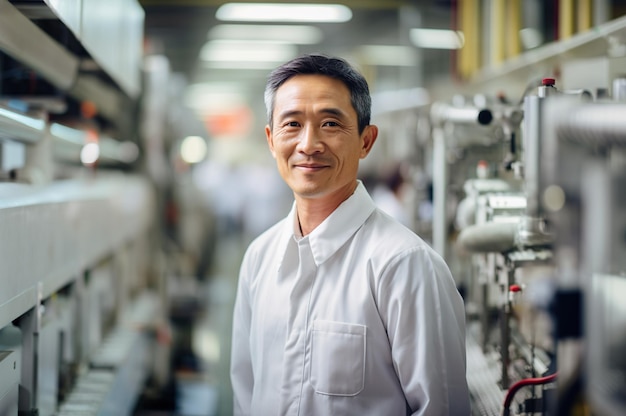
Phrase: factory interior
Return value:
(134, 172)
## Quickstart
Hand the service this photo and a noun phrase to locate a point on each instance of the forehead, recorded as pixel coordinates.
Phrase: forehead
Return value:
(314, 87)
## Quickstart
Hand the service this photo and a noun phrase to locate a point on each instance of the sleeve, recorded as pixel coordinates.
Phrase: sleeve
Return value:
(425, 319)
(241, 374)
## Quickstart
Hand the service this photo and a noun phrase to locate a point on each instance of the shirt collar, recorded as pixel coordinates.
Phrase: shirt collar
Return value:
(338, 227)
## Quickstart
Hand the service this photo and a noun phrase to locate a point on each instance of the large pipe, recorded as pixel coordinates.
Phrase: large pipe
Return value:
(571, 127)
(21, 127)
(532, 152)
(577, 143)
(490, 237)
(533, 105)
(594, 125)
(442, 113)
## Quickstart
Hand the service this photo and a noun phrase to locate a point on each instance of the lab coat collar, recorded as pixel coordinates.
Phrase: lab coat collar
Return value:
(339, 226)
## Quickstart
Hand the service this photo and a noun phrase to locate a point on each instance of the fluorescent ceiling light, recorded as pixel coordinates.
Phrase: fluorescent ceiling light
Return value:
(437, 38)
(247, 51)
(388, 55)
(281, 12)
(299, 34)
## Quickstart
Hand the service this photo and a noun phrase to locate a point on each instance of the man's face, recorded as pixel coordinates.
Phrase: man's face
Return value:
(315, 138)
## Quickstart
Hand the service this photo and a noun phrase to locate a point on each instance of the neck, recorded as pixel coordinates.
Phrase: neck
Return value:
(313, 211)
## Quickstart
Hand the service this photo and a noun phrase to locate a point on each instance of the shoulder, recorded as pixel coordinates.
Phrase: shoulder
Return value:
(386, 232)
(391, 245)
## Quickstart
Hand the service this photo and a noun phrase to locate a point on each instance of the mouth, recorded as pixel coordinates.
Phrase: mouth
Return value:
(310, 165)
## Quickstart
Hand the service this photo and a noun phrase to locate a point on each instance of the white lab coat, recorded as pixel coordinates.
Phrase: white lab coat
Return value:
(360, 317)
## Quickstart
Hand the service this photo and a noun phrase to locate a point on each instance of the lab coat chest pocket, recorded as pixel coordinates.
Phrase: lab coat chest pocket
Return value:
(337, 358)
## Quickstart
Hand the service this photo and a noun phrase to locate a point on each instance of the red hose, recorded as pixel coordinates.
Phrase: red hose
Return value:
(523, 383)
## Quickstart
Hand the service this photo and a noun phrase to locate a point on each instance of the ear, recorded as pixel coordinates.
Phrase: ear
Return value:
(270, 139)
(368, 137)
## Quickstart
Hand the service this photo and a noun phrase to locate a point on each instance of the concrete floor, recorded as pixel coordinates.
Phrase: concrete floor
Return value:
(201, 320)
(210, 393)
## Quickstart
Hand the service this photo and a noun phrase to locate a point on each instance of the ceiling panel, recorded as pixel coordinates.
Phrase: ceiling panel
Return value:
(179, 28)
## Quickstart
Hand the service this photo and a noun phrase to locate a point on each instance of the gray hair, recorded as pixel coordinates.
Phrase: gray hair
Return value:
(316, 64)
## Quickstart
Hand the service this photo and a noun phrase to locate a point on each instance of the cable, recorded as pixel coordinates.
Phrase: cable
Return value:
(536, 381)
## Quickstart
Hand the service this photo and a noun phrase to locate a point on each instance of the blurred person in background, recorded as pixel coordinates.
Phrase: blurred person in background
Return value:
(340, 309)
(388, 194)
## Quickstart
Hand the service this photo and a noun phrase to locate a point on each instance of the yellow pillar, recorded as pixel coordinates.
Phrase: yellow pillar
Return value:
(513, 27)
(566, 18)
(583, 15)
(497, 23)
(469, 23)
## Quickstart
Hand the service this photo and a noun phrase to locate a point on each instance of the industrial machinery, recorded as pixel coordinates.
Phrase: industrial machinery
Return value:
(83, 324)
(534, 242)
(510, 256)
(582, 189)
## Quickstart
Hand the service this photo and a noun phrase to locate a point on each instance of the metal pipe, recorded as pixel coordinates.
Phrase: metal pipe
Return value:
(442, 113)
(594, 125)
(21, 127)
(490, 237)
(440, 189)
(69, 142)
(505, 330)
(532, 152)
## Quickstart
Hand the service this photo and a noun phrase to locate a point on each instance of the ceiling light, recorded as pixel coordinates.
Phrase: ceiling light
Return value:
(247, 51)
(279, 12)
(437, 38)
(299, 34)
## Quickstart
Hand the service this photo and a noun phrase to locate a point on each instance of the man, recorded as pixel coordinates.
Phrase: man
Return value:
(340, 309)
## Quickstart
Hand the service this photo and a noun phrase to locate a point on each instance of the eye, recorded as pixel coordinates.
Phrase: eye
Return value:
(330, 124)
(291, 124)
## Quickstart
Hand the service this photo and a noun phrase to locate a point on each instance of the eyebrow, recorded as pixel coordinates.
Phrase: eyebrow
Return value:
(286, 114)
(331, 110)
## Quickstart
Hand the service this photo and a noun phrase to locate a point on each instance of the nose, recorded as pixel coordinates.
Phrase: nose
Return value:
(310, 141)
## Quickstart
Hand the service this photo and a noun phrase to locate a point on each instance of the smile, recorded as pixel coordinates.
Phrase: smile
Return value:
(310, 167)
